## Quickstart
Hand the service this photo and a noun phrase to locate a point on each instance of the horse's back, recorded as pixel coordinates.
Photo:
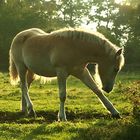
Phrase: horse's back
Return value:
(22, 36)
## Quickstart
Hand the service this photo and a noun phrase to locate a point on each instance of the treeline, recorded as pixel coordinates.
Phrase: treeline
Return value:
(118, 22)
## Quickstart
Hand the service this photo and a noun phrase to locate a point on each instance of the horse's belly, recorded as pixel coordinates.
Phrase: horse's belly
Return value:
(46, 73)
(41, 68)
(43, 71)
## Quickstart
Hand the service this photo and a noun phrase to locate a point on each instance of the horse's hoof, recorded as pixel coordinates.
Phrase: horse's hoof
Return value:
(116, 116)
(62, 119)
(32, 114)
(24, 112)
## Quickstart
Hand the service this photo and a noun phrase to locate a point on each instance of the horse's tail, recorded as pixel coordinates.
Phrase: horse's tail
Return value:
(12, 71)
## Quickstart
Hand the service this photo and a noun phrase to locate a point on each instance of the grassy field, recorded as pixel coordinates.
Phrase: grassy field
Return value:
(87, 119)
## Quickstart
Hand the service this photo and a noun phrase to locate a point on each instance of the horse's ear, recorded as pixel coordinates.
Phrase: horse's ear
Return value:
(119, 52)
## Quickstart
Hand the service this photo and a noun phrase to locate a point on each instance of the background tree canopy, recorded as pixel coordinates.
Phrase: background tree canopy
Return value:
(120, 22)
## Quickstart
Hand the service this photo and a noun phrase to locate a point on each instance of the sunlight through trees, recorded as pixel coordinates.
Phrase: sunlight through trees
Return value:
(118, 20)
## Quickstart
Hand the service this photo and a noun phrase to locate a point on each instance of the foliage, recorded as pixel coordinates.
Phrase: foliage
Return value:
(118, 22)
(87, 119)
(18, 15)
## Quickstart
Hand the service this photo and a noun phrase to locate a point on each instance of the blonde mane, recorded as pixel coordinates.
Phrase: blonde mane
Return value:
(90, 36)
(79, 34)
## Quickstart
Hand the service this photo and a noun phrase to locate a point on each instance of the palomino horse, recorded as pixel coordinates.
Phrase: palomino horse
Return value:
(60, 54)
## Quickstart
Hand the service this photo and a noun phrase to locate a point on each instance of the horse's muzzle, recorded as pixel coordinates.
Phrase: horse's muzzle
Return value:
(107, 89)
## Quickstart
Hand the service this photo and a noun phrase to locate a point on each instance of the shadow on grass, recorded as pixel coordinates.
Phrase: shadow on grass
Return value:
(104, 131)
(19, 117)
(103, 128)
(95, 131)
(129, 132)
(44, 131)
(48, 116)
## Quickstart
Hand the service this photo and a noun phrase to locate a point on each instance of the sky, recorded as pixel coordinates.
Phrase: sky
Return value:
(92, 26)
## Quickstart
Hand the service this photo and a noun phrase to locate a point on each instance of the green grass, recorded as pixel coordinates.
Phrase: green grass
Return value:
(87, 119)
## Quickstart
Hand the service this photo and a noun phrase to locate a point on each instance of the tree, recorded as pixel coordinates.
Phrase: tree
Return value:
(72, 12)
(17, 15)
(120, 23)
(128, 20)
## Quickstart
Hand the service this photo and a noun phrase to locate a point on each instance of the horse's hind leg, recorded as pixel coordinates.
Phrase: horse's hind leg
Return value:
(30, 78)
(27, 105)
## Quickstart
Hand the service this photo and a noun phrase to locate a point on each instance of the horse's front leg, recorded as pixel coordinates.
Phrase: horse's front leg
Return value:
(62, 76)
(87, 79)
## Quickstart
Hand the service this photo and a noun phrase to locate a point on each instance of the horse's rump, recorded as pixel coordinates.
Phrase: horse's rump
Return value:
(24, 35)
(16, 50)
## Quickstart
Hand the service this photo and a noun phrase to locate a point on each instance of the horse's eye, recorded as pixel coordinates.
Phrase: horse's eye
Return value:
(116, 69)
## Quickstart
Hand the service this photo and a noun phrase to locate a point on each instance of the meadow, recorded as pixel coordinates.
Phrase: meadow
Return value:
(87, 118)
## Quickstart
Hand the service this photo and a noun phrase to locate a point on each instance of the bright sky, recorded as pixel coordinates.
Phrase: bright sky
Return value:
(119, 1)
(92, 26)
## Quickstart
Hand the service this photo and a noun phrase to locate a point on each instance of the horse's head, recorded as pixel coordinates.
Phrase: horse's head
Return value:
(108, 69)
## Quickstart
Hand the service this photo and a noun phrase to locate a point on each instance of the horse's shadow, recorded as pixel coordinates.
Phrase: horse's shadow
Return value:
(19, 117)
(92, 131)
(46, 116)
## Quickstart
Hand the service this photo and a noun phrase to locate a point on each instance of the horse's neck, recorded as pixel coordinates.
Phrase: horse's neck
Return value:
(96, 53)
